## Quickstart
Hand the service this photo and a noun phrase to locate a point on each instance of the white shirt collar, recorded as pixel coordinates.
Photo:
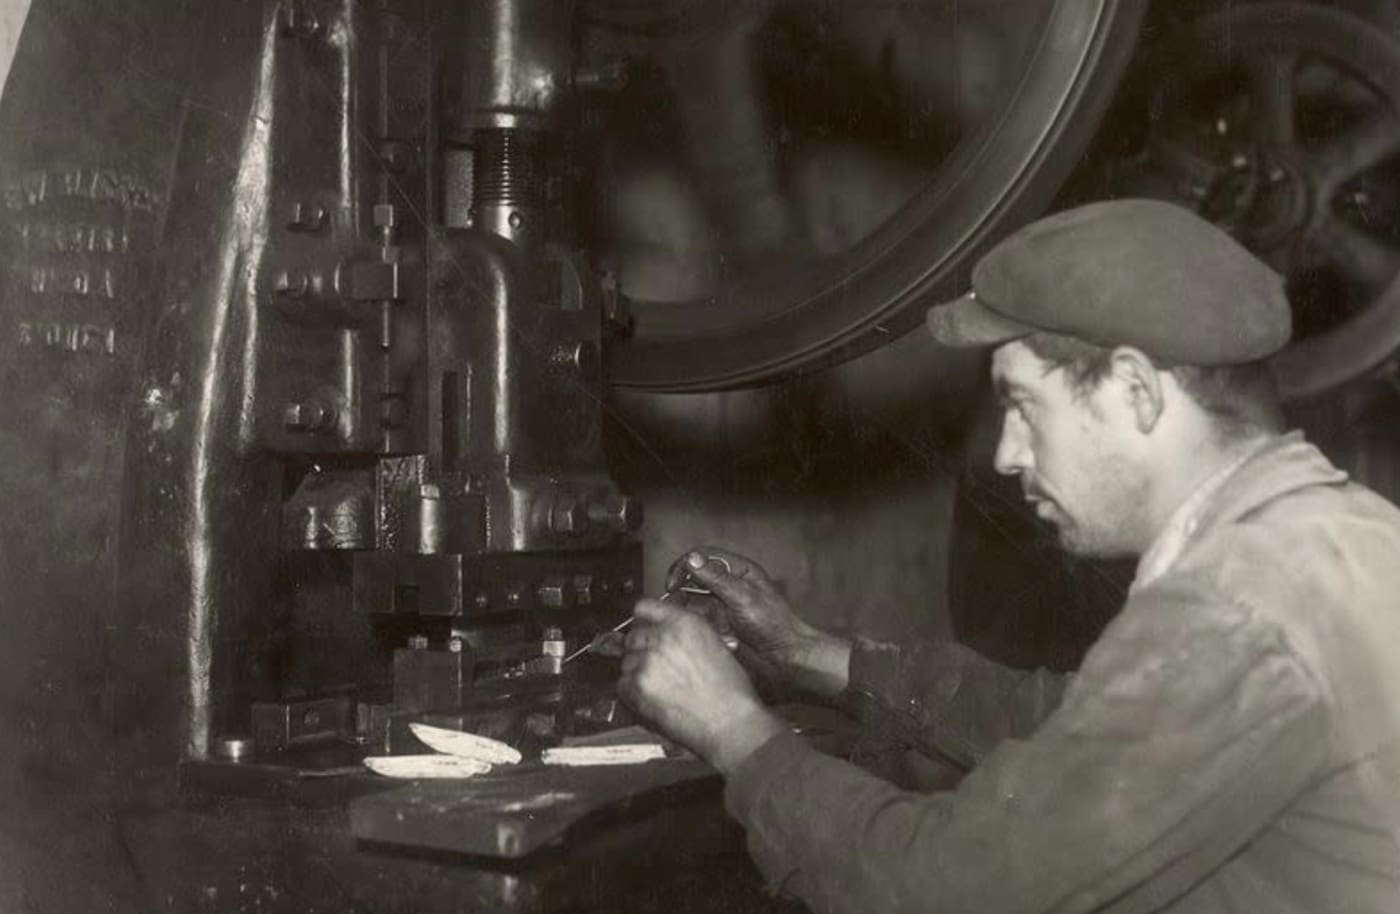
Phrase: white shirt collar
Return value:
(1183, 523)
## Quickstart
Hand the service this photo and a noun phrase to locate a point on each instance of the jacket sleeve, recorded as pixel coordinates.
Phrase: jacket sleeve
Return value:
(1188, 729)
(945, 699)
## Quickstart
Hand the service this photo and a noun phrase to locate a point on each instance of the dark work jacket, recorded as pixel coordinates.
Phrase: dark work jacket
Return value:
(1230, 744)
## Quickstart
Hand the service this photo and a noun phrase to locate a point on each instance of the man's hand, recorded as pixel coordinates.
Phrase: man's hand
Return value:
(773, 639)
(678, 673)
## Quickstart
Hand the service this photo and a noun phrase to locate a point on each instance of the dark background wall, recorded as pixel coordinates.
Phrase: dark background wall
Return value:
(841, 484)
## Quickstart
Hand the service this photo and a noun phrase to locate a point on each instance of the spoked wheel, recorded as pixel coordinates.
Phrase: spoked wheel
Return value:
(785, 184)
(1281, 123)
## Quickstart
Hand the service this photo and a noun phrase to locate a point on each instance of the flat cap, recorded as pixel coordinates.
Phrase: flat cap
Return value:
(1140, 273)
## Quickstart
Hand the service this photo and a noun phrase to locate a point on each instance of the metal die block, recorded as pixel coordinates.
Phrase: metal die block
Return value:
(427, 679)
(317, 392)
(330, 510)
(402, 583)
(279, 725)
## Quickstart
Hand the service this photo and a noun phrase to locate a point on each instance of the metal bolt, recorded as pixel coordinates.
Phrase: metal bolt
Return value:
(583, 589)
(455, 645)
(629, 586)
(552, 646)
(308, 417)
(306, 217)
(393, 156)
(617, 512)
(291, 284)
(386, 220)
(312, 718)
(514, 597)
(296, 20)
(482, 600)
(515, 219)
(568, 516)
(581, 357)
(418, 642)
(551, 594)
(233, 748)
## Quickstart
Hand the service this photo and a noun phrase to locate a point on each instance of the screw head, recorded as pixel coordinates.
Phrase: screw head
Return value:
(616, 512)
(296, 20)
(291, 284)
(569, 515)
(308, 417)
(552, 594)
(581, 357)
(306, 217)
(393, 156)
(583, 589)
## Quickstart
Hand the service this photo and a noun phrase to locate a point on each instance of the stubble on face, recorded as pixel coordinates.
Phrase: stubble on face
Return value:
(1078, 475)
(1097, 520)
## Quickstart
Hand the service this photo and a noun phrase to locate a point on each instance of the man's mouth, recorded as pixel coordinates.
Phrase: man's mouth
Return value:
(1041, 504)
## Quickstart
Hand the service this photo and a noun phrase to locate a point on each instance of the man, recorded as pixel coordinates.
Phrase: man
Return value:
(1231, 742)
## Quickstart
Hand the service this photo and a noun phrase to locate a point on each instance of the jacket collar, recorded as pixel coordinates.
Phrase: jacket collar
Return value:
(1272, 468)
(1285, 464)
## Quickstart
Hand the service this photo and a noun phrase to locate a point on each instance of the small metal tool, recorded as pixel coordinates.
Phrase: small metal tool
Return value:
(685, 585)
(589, 646)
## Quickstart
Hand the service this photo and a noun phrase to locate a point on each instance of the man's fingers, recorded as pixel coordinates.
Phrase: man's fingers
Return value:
(709, 573)
(680, 570)
(702, 558)
(656, 611)
(739, 566)
(609, 644)
(641, 639)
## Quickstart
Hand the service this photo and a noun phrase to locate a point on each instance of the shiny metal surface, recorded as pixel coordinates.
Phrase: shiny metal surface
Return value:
(517, 62)
(342, 421)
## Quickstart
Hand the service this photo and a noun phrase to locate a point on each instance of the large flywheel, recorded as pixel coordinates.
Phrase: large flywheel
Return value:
(1281, 122)
(782, 185)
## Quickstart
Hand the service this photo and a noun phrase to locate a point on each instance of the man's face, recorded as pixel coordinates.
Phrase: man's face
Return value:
(1072, 450)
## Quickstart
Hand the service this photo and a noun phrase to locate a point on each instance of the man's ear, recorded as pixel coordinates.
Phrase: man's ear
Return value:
(1141, 383)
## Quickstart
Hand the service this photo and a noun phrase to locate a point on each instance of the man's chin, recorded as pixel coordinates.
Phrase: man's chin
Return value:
(1073, 543)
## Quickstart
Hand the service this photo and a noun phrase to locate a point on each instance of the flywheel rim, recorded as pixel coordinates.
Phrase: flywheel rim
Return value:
(1007, 172)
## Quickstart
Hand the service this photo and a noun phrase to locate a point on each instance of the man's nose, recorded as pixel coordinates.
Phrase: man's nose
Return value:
(1013, 454)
